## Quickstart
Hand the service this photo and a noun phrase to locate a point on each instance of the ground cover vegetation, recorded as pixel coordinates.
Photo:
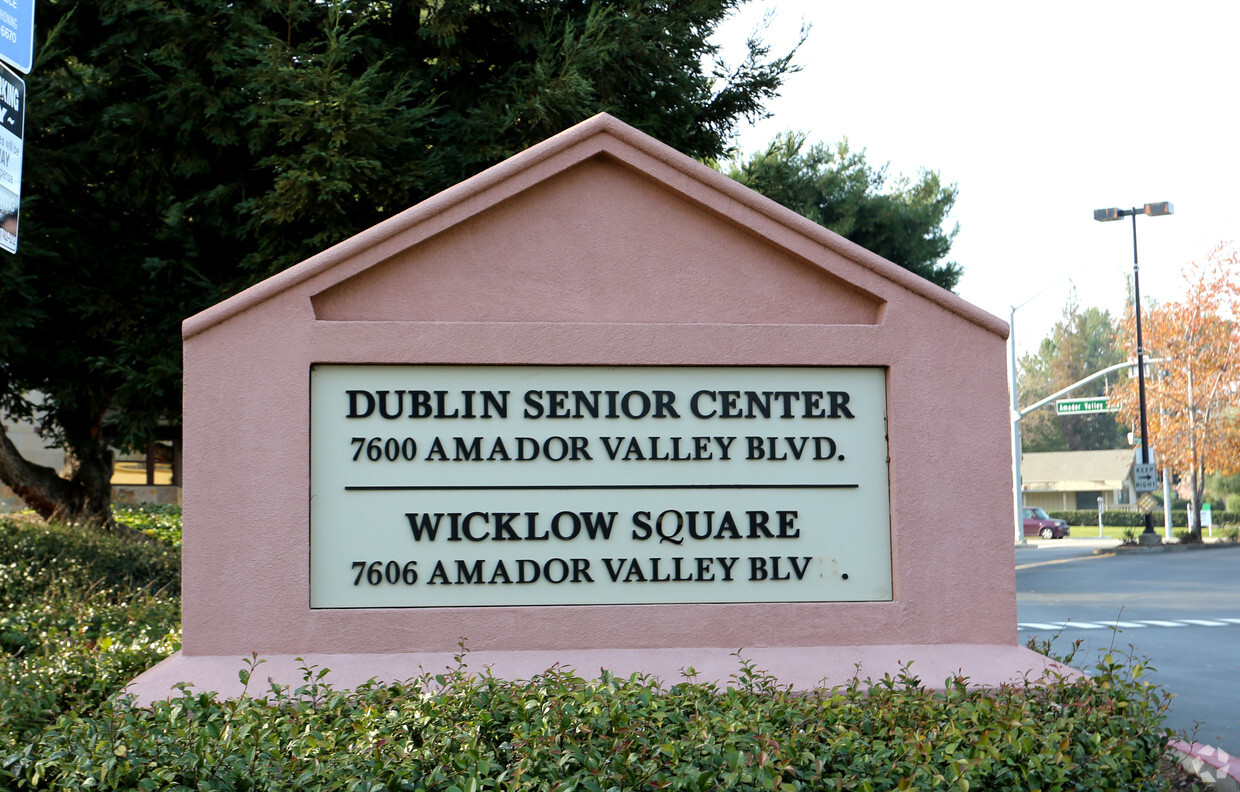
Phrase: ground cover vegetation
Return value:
(83, 612)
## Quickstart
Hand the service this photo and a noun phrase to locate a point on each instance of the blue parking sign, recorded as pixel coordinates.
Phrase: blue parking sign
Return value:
(17, 34)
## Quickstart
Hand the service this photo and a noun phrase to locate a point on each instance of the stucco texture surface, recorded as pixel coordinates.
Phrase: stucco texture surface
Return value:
(600, 246)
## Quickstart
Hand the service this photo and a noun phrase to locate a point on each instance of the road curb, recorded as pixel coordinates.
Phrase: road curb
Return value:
(1212, 765)
(1167, 548)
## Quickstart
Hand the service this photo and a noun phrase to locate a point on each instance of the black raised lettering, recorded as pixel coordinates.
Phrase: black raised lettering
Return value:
(468, 573)
(839, 404)
(361, 409)
(440, 575)
(383, 404)
(424, 526)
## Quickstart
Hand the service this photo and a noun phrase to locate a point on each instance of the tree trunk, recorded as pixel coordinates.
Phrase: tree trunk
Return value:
(1197, 482)
(83, 495)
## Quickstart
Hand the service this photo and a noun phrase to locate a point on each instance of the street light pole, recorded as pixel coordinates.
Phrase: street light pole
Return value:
(1105, 215)
(1016, 482)
(1018, 494)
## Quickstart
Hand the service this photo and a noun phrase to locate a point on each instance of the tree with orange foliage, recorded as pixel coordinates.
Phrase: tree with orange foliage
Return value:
(1193, 395)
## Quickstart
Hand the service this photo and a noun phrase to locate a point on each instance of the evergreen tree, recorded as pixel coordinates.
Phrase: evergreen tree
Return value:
(179, 151)
(899, 219)
(1082, 342)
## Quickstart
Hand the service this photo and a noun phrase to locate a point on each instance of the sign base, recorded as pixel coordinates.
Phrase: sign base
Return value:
(802, 667)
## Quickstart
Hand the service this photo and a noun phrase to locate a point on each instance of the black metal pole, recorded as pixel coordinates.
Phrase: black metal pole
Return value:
(1145, 435)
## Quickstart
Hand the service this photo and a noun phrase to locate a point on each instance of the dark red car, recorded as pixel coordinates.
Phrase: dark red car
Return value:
(1039, 523)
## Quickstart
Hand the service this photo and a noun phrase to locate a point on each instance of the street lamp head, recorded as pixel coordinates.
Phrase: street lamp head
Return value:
(1151, 209)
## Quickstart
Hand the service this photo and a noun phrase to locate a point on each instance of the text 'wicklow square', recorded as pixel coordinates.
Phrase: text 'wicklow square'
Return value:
(601, 407)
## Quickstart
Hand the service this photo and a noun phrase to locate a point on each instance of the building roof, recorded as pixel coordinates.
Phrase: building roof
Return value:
(1076, 471)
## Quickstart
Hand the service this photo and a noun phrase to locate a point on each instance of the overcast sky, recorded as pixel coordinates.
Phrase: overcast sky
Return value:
(1040, 113)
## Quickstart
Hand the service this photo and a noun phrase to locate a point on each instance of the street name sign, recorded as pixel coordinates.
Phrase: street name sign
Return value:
(1081, 406)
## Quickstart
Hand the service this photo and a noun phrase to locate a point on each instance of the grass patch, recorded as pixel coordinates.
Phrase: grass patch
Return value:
(1121, 532)
(1108, 531)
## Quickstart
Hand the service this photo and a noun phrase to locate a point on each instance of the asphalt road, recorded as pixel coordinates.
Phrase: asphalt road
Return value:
(1181, 610)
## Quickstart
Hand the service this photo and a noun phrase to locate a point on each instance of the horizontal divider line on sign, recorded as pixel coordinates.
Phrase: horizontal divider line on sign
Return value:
(370, 487)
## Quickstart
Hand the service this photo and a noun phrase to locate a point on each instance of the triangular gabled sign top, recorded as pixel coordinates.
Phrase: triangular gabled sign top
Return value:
(600, 223)
(596, 242)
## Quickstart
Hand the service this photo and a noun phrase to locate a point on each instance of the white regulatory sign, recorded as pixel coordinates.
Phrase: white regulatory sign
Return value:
(1145, 477)
(12, 128)
(440, 486)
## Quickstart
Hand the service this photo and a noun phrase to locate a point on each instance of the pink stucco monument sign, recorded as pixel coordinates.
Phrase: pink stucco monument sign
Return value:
(598, 406)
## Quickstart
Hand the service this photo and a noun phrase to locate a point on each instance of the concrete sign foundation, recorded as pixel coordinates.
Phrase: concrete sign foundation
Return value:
(603, 407)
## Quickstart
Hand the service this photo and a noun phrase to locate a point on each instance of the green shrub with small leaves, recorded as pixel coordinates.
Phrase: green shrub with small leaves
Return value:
(1115, 517)
(160, 521)
(81, 613)
(65, 726)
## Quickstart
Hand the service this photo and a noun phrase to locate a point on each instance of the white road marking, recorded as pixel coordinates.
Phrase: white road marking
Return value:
(1084, 625)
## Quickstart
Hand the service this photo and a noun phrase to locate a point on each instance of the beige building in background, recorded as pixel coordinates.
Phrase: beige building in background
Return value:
(1067, 480)
(151, 477)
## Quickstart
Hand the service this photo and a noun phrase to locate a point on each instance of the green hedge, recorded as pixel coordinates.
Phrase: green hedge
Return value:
(85, 612)
(162, 522)
(1179, 519)
(81, 613)
(455, 732)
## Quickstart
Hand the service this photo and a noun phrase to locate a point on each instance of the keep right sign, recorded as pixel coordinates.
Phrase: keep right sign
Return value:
(1145, 477)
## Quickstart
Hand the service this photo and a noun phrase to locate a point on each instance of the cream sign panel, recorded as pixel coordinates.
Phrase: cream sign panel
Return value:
(437, 486)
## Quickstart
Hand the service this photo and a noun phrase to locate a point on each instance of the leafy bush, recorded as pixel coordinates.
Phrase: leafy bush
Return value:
(162, 522)
(77, 628)
(1179, 519)
(455, 731)
(81, 613)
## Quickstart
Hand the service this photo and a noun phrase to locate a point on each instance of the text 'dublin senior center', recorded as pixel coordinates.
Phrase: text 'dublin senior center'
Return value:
(445, 486)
